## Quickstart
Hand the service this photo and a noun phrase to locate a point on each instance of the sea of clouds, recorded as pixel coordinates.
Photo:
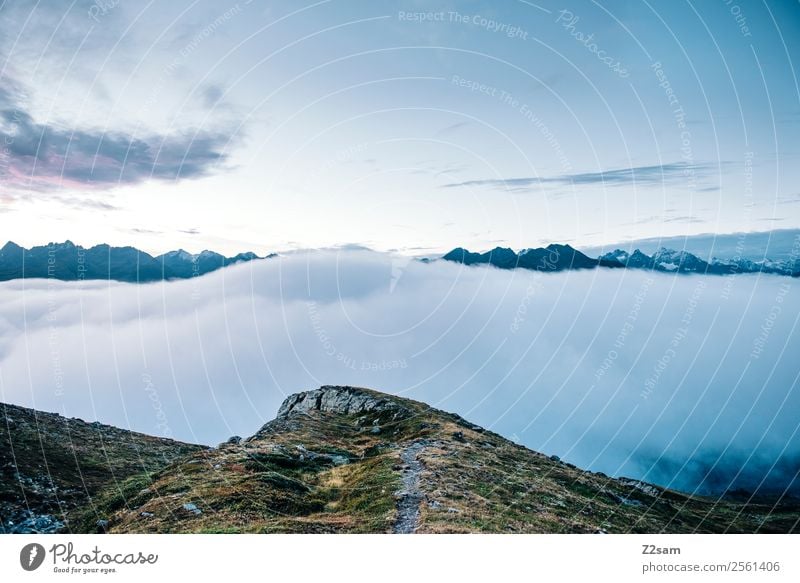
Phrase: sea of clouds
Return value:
(687, 381)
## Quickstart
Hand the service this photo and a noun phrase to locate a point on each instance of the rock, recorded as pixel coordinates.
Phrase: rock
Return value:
(375, 429)
(189, 507)
(33, 524)
(234, 440)
(146, 514)
(341, 400)
(641, 486)
(555, 458)
(459, 436)
(102, 525)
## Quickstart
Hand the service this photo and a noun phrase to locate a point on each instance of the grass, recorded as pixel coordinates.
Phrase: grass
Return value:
(291, 478)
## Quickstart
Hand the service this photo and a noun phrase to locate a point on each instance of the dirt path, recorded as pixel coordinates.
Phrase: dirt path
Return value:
(410, 496)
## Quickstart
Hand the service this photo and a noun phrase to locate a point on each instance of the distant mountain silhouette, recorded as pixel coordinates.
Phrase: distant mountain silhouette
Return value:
(69, 262)
(557, 257)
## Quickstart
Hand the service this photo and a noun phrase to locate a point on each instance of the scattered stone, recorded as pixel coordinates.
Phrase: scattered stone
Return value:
(411, 496)
(452, 510)
(641, 486)
(41, 524)
(189, 507)
(146, 514)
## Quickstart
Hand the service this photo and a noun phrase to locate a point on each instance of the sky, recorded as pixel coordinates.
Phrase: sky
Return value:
(411, 126)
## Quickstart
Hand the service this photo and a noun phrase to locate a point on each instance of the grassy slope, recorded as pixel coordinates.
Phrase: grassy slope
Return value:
(49, 465)
(291, 477)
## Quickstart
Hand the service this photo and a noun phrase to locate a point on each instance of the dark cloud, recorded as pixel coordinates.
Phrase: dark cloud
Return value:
(673, 173)
(47, 156)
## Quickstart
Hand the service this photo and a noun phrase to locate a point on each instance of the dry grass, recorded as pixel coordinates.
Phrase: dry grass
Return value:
(326, 472)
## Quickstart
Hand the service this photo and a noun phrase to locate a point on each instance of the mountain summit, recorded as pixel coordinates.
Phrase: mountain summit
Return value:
(347, 459)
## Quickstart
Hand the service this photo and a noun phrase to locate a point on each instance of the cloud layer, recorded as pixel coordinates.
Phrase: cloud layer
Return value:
(687, 381)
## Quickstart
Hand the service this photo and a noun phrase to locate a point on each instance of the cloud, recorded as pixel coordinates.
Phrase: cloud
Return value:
(212, 94)
(683, 219)
(44, 157)
(791, 199)
(139, 231)
(452, 128)
(87, 203)
(559, 362)
(658, 175)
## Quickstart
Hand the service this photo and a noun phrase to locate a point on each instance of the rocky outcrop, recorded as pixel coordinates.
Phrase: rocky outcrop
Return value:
(340, 401)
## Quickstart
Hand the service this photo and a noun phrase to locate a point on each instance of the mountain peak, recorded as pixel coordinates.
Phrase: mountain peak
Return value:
(10, 246)
(340, 400)
(180, 254)
(65, 245)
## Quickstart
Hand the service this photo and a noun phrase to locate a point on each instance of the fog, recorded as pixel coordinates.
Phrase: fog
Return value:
(686, 381)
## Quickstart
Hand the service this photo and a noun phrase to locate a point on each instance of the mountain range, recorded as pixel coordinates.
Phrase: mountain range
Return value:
(69, 262)
(556, 257)
(336, 460)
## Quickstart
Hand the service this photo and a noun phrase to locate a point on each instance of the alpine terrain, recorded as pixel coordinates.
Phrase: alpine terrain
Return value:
(336, 460)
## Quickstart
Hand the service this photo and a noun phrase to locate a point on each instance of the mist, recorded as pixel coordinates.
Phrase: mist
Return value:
(687, 381)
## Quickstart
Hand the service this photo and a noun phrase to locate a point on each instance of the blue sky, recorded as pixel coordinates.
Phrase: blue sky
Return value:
(410, 126)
